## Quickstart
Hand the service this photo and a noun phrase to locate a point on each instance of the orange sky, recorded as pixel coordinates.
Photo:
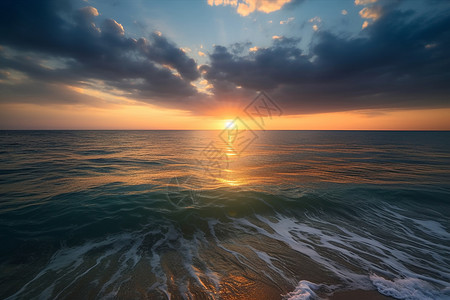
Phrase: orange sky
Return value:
(135, 116)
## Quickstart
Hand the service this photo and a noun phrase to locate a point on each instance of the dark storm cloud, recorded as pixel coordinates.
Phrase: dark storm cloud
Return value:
(37, 31)
(262, 69)
(164, 52)
(400, 61)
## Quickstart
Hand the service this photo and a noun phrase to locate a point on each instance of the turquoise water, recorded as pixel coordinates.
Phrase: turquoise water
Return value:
(137, 215)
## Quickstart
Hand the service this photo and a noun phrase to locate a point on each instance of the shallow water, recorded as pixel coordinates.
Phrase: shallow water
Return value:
(156, 215)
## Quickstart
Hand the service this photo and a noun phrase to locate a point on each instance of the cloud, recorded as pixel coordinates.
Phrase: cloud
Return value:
(364, 2)
(200, 53)
(35, 92)
(223, 2)
(246, 7)
(87, 14)
(344, 12)
(159, 49)
(387, 66)
(151, 69)
(315, 20)
(50, 53)
(289, 20)
(111, 27)
(373, 12)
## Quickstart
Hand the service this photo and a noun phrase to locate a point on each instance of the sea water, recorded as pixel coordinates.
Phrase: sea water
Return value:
(157, 215)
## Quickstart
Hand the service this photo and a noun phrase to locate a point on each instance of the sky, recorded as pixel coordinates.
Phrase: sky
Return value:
(176, 64)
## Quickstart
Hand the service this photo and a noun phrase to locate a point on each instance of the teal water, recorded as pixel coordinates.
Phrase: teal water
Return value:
(296, 215)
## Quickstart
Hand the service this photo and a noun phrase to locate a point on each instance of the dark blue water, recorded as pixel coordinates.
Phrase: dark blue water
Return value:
(159, 215)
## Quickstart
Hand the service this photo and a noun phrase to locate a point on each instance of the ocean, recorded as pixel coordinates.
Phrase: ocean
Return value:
(182, 215)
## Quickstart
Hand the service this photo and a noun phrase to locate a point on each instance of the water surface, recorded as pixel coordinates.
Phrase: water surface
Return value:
(155, 215)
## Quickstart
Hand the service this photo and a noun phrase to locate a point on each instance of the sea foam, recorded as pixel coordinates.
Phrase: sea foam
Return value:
(303, 291)
(408, 289)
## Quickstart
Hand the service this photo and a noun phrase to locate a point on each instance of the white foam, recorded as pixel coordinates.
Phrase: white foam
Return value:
(69, 260)
(296, 236)
(355, 252)
(408, 289)
(432, 228)
(364, 250)
(303, 291)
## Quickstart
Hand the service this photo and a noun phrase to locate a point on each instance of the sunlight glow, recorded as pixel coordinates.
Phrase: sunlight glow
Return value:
(229, 124)
(119, 115)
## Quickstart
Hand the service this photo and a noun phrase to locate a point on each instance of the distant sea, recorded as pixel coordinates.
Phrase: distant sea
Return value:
(181, 215)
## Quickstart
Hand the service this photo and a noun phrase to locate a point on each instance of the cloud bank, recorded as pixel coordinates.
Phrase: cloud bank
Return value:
(48, 43)
(49, 51)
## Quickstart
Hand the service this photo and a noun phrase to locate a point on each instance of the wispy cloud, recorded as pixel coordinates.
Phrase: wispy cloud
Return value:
(365, 24)
(373, 12)
(289, 20)
(246, 7)
(364, 2)
(315, 19)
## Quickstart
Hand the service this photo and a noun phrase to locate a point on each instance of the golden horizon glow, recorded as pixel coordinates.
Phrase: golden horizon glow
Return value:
(148, 117)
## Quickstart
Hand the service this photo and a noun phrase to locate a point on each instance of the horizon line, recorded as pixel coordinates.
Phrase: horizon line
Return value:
(393, 130)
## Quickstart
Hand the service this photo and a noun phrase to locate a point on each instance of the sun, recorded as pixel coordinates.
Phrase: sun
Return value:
(229, 124)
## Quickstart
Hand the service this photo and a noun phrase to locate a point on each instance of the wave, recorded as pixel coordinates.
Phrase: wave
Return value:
(305, 290)
(409, 289)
